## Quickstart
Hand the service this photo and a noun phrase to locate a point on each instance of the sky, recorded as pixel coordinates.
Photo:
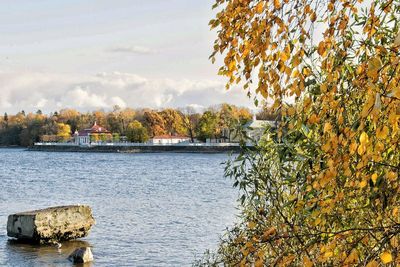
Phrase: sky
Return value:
(95, 54)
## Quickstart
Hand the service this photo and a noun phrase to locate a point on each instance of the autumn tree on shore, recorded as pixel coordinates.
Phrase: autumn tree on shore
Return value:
(173, 121)
(190, 121)
(324, 190)
(154, 122)
(63, 131)
(118, 119)
(136, 132)
(70, 117)
(208, 127)
(125, 117)
(231, 119)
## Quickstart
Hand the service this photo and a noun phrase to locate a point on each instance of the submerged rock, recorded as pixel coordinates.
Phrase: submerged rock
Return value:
(51, 224)
(81, 255)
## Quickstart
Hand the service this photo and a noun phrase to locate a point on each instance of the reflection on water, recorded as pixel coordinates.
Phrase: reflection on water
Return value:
(43, 254)
(150, 209)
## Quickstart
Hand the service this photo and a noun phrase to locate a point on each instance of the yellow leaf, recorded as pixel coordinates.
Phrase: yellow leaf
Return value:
(295, 73)
(307, 262)
(368, 105)
(313, 16)
(291, 111)
(232, 65)
(252, 225)
(395, 211)
(296, 61)
(287, 260)
(248, 244)
(306, 71)
(361, 149)
(307, 9)
(397, 40)
(234, 42)
(321, 48)
(260, 7)
(383, 132)
(259, 263)
(359, 70)
(363, 184)
(324, 87)
(269, 232)
(373, 67)
(313, 119)
(374, 177)
(372, 264)
(379, 147)
(328, 254)
(396, 92)
(277, 4)
(352, 258)
(386, 257)
(392, 176)
(284, 56)
(353, 148)
(327, 127)
(263, 90)
(364, 138)
(326, 147)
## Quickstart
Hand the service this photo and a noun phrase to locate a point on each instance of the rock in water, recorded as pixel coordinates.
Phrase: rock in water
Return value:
(81, 255)
(51, 224)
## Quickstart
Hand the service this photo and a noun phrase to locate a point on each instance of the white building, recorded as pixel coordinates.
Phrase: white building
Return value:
(169, 139)
(255, 128)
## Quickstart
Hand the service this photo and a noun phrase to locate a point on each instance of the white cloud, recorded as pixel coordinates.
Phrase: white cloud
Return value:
(120, 79)
(117, 101)
(41, 103)
(81, 98)
(134, 49)
(196, 107)
(52, 91)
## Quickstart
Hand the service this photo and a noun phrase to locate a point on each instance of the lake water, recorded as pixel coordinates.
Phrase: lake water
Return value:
(150, 209)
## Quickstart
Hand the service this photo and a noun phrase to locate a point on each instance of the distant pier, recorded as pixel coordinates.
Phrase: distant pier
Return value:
(139, 148)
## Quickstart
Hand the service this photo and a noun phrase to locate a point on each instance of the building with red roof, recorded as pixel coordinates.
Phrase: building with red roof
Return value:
(94, 134)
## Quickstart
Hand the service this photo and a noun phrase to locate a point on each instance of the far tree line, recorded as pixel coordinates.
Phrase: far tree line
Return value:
(138, 125)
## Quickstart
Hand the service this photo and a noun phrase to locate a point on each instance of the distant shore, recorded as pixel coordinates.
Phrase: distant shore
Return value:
(138, 148)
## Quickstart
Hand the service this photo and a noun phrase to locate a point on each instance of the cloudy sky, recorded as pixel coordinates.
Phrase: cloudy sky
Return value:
(91, 54)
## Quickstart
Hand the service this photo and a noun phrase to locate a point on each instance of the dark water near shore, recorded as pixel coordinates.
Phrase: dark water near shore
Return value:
(151, 209)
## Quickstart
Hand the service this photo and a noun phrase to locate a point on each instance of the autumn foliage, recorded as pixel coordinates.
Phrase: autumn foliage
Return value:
(138, 125)
(324, 189)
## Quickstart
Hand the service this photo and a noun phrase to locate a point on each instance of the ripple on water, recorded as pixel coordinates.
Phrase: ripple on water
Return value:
(151, 209)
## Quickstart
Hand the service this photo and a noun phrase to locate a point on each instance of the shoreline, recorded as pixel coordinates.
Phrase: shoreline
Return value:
(138, 149)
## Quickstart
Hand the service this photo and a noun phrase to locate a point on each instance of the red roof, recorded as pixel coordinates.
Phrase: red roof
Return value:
(96, 129)
(167, 136)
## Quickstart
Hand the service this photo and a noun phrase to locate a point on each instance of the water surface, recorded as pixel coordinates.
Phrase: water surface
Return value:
(151, 209)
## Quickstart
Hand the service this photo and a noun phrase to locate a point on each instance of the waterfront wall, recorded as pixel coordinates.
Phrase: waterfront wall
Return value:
(138, 148)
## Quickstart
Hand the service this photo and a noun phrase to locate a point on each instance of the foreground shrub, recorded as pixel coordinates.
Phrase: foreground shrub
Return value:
(322, 190)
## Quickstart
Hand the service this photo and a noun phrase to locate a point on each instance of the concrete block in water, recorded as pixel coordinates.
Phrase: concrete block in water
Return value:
(81, 255)
(51, 224)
